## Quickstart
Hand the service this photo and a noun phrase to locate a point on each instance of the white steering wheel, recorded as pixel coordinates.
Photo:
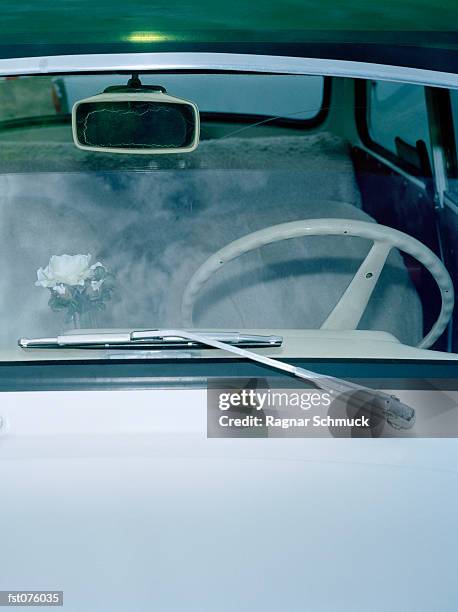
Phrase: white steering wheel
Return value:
(351, 306)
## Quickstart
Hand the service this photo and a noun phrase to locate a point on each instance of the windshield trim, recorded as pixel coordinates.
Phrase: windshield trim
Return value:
(138, 62)
(86, 374)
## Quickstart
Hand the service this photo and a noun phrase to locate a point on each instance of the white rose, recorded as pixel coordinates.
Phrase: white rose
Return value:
(67, 270)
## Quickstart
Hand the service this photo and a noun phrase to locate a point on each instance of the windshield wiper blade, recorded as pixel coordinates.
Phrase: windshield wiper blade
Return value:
(143, 339)
(396, 413)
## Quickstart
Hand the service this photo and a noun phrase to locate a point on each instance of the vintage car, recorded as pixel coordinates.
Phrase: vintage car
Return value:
(185, 215)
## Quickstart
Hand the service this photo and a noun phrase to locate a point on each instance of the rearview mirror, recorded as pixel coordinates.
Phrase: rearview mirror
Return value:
(128, 121)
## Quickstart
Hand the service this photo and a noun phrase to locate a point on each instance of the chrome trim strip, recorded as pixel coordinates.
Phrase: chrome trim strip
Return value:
(224, 61)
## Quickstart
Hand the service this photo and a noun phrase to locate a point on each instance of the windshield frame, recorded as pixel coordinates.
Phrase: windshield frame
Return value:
(223, 62)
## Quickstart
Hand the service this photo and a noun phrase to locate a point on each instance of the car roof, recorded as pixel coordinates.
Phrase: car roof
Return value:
(397, 32)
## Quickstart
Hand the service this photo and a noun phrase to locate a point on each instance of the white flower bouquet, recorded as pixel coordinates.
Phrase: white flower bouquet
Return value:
(76, 286)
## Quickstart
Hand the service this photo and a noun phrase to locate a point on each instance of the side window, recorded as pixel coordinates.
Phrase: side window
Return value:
(397, 121)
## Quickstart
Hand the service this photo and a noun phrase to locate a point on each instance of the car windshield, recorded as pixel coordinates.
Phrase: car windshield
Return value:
(99, 240)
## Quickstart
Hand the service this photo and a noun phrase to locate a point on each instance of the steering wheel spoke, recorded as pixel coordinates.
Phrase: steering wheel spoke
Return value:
(351, 306)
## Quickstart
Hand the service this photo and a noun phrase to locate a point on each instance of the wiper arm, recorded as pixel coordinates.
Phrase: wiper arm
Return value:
(397, 414)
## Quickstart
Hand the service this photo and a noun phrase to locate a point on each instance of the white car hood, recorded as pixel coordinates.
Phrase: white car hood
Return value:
(119, 499)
